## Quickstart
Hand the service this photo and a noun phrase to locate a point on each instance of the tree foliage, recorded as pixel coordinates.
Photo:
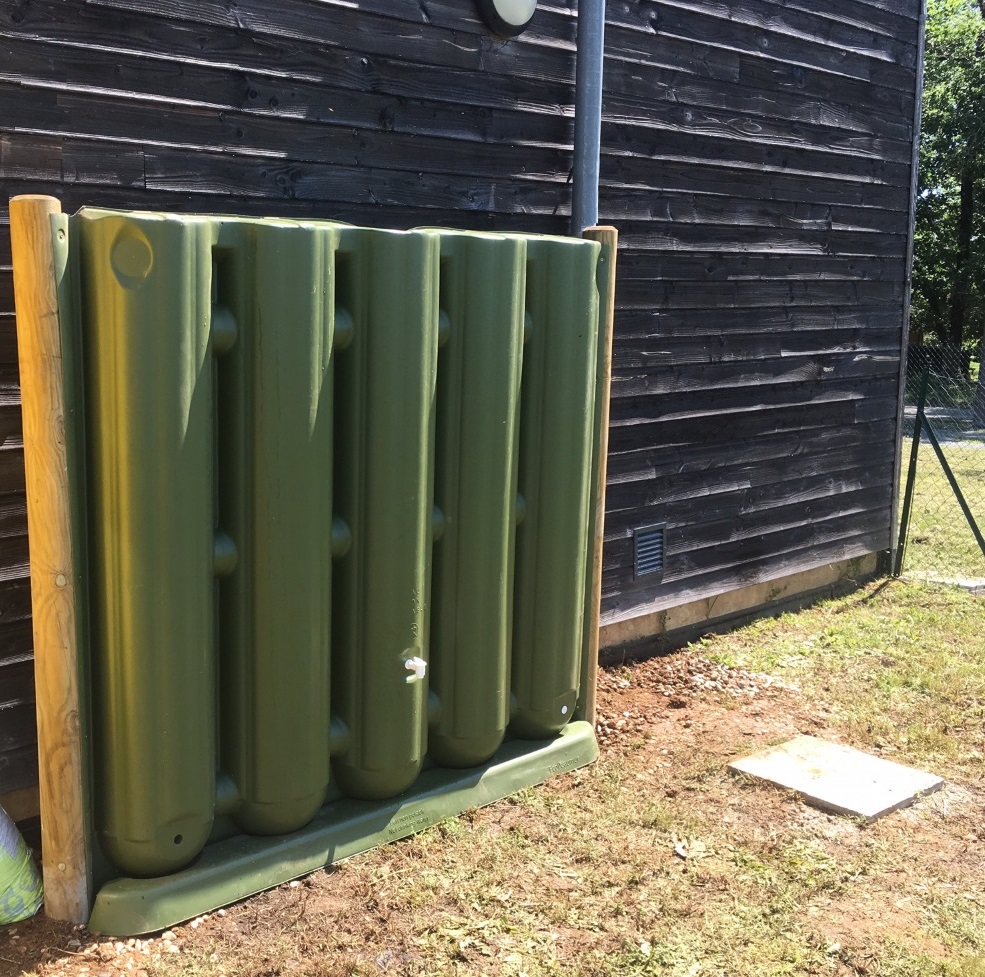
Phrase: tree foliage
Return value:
(949, 244)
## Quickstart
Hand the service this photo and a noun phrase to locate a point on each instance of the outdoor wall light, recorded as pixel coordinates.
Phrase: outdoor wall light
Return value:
(507, 18)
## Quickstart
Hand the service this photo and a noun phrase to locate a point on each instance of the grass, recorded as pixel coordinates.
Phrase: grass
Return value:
(902, 668)
(654, 861)
(940, 539)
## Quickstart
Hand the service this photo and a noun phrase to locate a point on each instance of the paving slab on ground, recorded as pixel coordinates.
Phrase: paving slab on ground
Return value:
(839, 778)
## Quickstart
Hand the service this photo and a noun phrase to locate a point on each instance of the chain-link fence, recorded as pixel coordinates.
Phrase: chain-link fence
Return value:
(943, 497)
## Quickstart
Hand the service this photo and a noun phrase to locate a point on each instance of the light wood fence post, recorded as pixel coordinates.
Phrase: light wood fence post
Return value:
(39, 350)
(608, 237)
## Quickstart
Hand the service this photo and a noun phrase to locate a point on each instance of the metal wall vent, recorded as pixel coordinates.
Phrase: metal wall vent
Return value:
(648, 550)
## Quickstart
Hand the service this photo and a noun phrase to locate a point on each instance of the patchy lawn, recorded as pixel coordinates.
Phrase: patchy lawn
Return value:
(654, 860)
(940, 541)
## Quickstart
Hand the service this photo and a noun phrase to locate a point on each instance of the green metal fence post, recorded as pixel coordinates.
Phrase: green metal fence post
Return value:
(911, 475)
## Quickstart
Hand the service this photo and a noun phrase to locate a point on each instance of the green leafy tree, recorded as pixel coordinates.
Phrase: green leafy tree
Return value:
(949, 245)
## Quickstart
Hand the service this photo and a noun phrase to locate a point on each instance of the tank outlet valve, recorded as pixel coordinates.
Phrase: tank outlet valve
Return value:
(418, 668)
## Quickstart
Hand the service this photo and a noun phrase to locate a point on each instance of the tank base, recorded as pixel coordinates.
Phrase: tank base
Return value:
(244, 865)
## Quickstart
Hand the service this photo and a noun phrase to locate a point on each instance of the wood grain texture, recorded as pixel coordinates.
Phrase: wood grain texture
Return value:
(65, 863)
(608, 237)
(640, 636)
(757, 157)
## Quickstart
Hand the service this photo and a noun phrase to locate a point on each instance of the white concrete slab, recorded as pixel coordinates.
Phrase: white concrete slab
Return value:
(839, 778)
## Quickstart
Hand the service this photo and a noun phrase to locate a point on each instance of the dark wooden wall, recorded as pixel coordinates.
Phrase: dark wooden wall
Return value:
(398, 113)
(757, 160)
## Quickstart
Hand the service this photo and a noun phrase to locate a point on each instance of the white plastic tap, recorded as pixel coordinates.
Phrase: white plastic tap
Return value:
(419, 668)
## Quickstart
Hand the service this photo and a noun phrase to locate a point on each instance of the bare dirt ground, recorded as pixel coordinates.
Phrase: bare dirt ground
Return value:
(652, 861)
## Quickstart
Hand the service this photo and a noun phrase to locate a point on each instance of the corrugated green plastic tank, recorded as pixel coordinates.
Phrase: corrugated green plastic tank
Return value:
(337, 486)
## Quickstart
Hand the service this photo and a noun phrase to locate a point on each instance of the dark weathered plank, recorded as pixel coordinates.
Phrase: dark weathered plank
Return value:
(322, 26)
(244, 177)
(676, 207)
(671, 236)
(704, 74)
(10, 412)
(713, 320)
(748, 526)
(756, 160)
(15, 606)
(712, 176)
(785, 21)
(631, 89)
(770, 537)
(17, 641)
(657, 461)
(758, 374)
(704, 550)
(19, 767)
(733, 410)
(747, 488)
(705, 137)
(893, 19)
(266, 71)
(733, 414)
(334, 90)
(479, 111)
(12, 480)
(179, 129)
(735, 347)
(13, 517)
(753, 293)
(74, 196)
(878, 66)
(627, 602)
(878, 35)
(646, 266)
(16, 684)
(905, 8)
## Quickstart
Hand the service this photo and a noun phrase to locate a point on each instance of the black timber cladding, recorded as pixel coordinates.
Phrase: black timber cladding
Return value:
(757, 161)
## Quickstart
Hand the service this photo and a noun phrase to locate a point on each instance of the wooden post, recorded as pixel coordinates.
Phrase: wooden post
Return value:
(39, 351)
(608, 237)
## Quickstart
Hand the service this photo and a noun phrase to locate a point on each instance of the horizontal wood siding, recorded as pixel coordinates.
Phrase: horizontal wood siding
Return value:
(756, 158)
(392, 113)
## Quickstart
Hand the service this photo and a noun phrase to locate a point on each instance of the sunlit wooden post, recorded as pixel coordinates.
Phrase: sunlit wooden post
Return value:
(608, 237)
(53, 598)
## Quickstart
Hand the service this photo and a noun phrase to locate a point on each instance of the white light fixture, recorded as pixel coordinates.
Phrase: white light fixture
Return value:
(507, 17)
